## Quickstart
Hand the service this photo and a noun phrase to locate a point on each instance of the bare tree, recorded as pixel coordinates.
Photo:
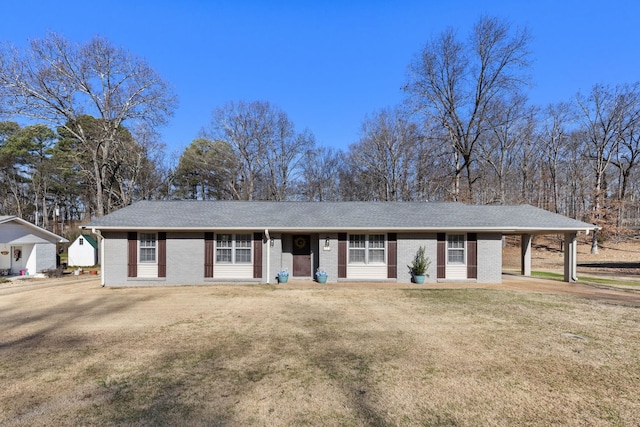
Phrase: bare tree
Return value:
(321, 171)
(267, 147)
(457, 83)
(509, 125)
(57, 82)
(138, 171)
(627, 153)
(553, 141)
(603, 113)
(384, 159)
(285, 159)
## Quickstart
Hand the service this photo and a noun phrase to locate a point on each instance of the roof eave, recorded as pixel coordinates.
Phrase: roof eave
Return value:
(472, 229)
(58, 239)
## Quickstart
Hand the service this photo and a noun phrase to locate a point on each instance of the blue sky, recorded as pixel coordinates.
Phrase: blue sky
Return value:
(329, 64)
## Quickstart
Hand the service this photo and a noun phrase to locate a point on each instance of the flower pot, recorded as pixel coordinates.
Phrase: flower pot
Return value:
(283, 278)
(321, 279)
(418, 279)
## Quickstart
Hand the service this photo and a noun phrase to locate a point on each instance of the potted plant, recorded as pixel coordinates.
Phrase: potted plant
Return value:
(419, 266)
(321, 276)
(283, 276)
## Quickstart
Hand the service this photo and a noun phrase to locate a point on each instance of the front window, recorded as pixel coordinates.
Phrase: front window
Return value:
(455, 249)
(233, 248)
(147, 247)
(357, 248)
(366, 249)
(243, 248)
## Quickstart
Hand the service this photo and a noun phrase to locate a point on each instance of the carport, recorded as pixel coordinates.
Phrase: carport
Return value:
(569, 248)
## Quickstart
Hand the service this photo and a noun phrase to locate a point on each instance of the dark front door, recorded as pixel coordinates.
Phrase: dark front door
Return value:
(302, 256)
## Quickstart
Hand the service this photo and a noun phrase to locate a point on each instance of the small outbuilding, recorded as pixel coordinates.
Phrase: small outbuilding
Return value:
(199, 242)
(83, 252)
(26, 248)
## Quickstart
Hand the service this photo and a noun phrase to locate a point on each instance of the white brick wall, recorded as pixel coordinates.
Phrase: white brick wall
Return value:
(489, 258)
(328, 260)
(408, 244)
(185, 257)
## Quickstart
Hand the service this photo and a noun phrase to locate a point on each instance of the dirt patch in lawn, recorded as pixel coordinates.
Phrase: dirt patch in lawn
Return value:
(73, 353)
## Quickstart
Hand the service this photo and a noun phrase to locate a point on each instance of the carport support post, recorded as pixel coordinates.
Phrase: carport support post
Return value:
(525, 254)
(570, 255)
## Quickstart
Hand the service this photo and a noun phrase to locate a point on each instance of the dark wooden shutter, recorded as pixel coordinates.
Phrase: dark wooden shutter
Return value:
(132, 254)
(392, 256)
(472, 256)
(162, 254)
(257, 255)
(208, 254)
(441, 262)
(342, 255)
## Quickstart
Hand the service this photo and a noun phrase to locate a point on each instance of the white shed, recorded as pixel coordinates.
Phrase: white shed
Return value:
(83, 252)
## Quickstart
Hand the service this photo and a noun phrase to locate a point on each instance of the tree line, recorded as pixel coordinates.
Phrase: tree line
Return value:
(465, 132)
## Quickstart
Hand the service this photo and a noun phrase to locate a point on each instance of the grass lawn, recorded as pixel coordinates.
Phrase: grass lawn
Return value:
(78, 354)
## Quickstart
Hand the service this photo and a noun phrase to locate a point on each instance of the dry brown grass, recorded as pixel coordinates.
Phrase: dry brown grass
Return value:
(78, 354)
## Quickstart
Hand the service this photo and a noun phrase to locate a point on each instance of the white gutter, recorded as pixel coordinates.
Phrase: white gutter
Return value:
(101, 244)
(266, 234)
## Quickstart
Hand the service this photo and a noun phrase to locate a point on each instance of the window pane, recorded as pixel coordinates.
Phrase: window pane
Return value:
(147, 240)
(147, 254)
(243, 241)
(456, 256)
(356, 255)
(243, 255)
(223, 255)
(376, 241)
(224, 241)
(357, 241)
(455, 241)
(376, 256)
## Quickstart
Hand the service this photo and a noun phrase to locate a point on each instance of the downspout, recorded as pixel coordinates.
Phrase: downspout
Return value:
(101, 244)
(266, 235)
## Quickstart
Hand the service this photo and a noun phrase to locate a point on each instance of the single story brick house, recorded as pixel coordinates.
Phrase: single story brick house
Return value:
(200, 242)
(26, 248)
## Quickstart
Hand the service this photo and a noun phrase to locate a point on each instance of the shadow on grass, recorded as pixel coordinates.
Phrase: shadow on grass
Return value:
(349, 367)
(31, 326)
(222, 382)
(613, 264)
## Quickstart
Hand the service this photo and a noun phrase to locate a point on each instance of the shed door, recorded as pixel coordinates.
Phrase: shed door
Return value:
(301, 256)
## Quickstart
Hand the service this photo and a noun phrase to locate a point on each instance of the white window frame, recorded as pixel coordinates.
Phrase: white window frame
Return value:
(365, 243)
(148, 242)
(238, 244)
(457, 249)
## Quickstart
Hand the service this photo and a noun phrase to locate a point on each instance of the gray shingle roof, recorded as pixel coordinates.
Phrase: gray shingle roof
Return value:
(336, 216)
